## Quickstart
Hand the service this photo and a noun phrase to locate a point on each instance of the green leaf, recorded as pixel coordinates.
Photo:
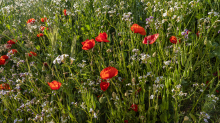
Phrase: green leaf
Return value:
(193, 117)
(68, 107)
(88, 27)
(37, 47)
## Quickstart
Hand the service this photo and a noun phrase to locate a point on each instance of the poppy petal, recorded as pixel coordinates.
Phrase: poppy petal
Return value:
(150, 39)
(138, 29)
(108, 72)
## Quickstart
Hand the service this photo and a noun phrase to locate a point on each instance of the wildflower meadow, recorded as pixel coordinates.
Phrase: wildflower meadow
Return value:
(109, 61)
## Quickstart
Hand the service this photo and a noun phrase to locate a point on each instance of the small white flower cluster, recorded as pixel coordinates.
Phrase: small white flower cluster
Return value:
(16, 120)
(127, 17)
(213, 13)
(61, 58)
(213, 97)
(205, 116)
(144, 57)
(158, 79)
(83, 105)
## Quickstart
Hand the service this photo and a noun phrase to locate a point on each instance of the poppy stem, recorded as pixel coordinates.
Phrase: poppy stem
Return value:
(101, 46)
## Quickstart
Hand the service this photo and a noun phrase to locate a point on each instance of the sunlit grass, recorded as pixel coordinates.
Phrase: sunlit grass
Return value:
(173, 79)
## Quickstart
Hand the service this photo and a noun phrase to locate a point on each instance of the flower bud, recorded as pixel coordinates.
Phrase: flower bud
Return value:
(205, 42)
(154, 54)
(126, 93)
(136, 101)
(43, 68)
(108, 50)
(114, 95)
(53, 72)
(186, 118)
(121, 42)
(101, 99)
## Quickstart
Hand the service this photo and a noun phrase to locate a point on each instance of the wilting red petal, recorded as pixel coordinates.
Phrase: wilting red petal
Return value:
(43, 19)
(32, 53)
(32, 20)
(138, 29)
(102, 37)
(2, 61)
(88, 44)
(134, 107)
(4, 57)
(4, 86)
(54, 85)
(64, 11)
(42, 28)
(150, 39)
(173, 40)
(108, 72)
(11, 42)
(40, 35)
(104, 85)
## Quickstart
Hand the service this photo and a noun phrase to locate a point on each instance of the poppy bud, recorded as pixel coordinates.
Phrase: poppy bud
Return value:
(101, 99)
(136, 101)
(114, 95)
(205, 42)
(108, 50)
(186, 118)
(126, 94)
(154, 54)
(121, 42)
(43, 68)
(53, 72)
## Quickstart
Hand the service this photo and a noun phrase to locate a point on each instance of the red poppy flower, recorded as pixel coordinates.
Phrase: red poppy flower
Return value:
(32, 53)
(2, 61)
(11, 41)
(173, 40)
(43, 19)
(64, 11)
(126, 121)
(138, 29)
(4, 86)
(4, 57)
(13, 51)
(102, 37)
(108, 72)
(32, 20)
(217, 91)
(40, 35)
(42, 28)
(134, 107)
(54, 85)
(88, 44)
(150, 39)
(104, 85)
